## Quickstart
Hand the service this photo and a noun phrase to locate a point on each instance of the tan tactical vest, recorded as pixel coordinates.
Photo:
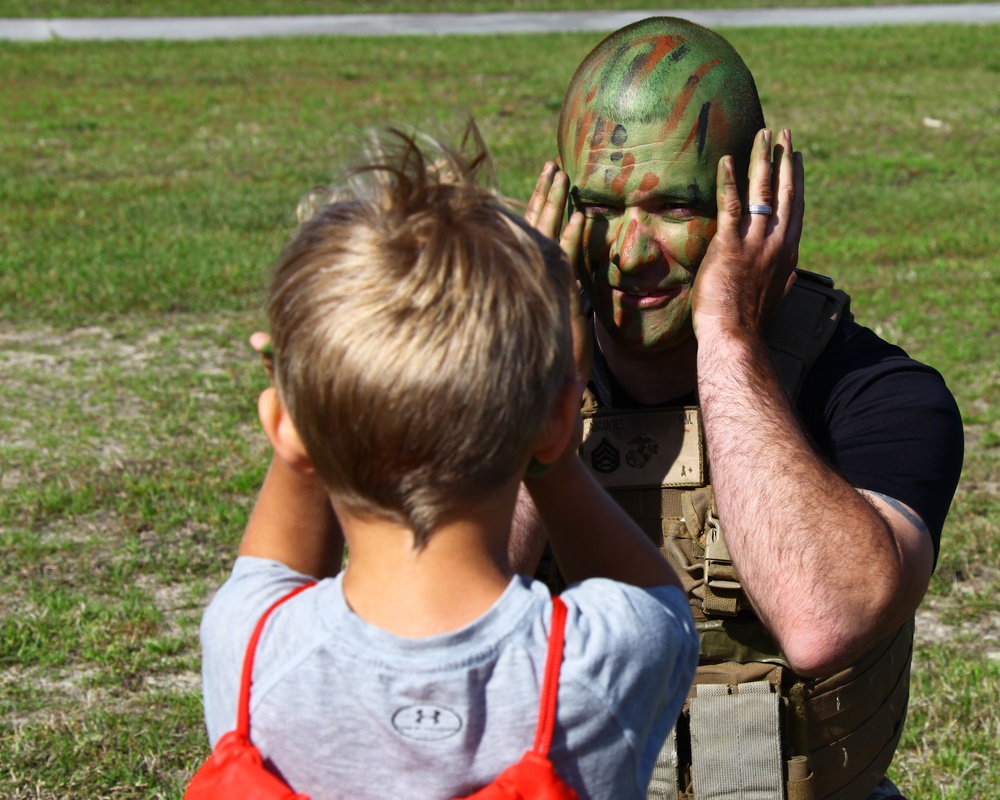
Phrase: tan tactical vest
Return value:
(750, 729)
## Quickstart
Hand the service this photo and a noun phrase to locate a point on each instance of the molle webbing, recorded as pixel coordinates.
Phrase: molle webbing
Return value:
(664, 784)
(745, 751)
(853, 720)
(649, 507)
(836, 735)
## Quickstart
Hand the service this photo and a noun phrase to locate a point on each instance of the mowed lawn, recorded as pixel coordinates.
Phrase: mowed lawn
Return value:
(195, 8)
(146, 187)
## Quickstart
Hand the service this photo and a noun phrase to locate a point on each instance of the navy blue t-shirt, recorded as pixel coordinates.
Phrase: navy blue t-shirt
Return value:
(883, 421)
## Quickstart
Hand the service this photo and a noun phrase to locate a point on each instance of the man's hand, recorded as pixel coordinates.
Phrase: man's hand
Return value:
(545, 213)
(750, 264)
(261, 342)
(547, 207)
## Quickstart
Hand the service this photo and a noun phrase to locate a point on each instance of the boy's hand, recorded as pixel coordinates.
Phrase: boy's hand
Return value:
(261, 342)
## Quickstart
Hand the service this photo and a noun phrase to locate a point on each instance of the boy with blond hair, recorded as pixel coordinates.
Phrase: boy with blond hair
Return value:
(423, 367)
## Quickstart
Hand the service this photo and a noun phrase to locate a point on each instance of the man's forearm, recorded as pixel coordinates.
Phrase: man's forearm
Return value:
(821, 566)
(528, 536)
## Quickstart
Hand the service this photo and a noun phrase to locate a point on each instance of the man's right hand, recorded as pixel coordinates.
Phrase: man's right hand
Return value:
(545, 213)
(261, 342)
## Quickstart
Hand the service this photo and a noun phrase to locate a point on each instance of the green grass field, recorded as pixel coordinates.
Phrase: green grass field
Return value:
(184, 8)
(145, 189)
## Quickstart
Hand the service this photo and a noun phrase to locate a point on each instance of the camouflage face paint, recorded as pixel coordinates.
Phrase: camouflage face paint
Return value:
(643, 127)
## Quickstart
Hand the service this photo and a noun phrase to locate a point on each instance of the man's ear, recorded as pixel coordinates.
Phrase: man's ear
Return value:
(281, 431)
(564, 426)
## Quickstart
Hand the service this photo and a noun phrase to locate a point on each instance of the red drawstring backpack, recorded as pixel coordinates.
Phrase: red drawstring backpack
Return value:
(235, 770)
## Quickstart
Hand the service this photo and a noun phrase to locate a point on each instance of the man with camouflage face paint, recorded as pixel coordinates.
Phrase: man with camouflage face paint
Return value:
(810, 541)
(621, 150)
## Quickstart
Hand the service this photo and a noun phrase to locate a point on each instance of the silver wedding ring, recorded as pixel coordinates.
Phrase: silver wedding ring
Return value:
(759, 208)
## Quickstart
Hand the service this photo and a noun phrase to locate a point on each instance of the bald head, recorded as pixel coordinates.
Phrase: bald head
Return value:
(664, 71)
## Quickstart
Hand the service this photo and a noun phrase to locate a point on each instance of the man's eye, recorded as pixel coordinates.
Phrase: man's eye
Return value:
(600, 212)
(678, 211)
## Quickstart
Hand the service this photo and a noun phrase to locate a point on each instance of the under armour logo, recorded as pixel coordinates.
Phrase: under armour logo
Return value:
(433, 716)
(426, 723)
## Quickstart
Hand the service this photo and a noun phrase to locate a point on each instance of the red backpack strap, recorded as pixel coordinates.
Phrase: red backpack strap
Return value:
(550, 683)
(243, 705)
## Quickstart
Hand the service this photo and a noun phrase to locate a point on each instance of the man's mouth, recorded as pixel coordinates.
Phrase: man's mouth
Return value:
(646, 298)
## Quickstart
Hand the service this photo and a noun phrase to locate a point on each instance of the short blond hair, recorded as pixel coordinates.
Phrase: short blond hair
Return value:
(420, 334)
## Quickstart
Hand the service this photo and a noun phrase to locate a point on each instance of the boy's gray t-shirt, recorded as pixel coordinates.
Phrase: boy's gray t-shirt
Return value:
(344, 709)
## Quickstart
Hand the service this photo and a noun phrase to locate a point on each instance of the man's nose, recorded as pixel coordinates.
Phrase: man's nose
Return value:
(634, 246)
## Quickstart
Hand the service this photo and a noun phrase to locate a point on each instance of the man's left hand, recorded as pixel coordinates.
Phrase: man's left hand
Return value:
(750, 263)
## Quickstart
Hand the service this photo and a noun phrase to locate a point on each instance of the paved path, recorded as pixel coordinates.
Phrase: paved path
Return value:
(432, 24)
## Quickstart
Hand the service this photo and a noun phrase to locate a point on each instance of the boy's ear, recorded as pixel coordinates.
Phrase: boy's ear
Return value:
(564, 426)
(281, 431)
